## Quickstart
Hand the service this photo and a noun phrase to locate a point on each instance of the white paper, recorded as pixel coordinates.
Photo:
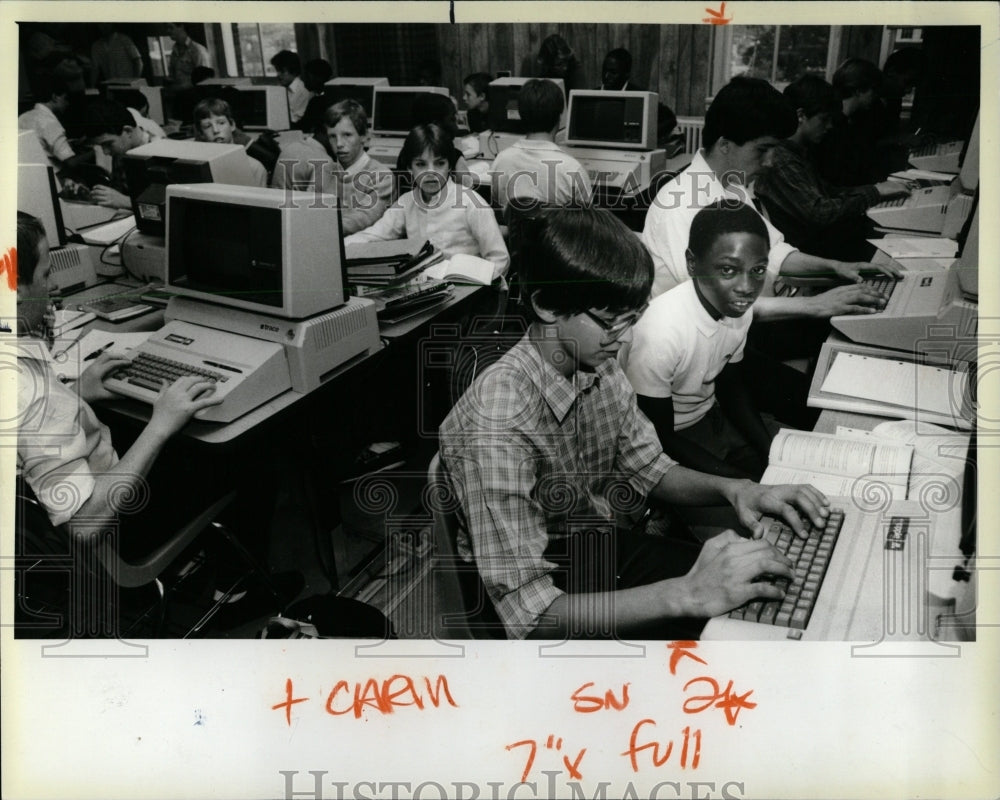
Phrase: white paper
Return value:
(916, 247)
(109, 232)
(898, 383)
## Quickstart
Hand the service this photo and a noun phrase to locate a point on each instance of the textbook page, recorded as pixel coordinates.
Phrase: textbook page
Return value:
(835, 465)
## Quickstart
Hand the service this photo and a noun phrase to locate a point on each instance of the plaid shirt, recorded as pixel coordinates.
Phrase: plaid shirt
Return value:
(800, 202)
(532, 455)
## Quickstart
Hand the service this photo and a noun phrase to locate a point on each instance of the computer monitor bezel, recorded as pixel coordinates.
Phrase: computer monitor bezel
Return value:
(499, 120)
(647, 140)
(38, 195)
(366, 84)
(385, 91)
(275, 104)
(307, 237)
(224, 163)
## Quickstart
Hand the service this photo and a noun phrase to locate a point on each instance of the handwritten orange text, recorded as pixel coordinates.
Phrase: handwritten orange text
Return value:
(634, 748)
(587, 704)
(8, 267)
(552, 743)
(383, 696)
(730, 702)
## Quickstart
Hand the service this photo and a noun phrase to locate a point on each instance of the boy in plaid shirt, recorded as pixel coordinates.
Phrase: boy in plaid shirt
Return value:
(547, 450)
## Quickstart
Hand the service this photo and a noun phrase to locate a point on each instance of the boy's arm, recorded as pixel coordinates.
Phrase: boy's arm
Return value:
(798, 263)
(370, 196)
(483, 224)
(391, 225)
(686, 487)
(660, 411)
(172, 410)
(724, 577)
(855, 298)
(734, 399)
(794, 187)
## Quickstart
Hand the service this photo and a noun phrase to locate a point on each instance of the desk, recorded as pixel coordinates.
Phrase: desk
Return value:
(314, 438)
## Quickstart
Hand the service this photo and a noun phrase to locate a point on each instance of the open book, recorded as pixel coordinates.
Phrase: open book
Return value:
(463, 268)
(839, 466)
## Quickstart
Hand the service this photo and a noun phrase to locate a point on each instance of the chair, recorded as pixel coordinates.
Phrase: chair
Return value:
(92, 559)
(462, 608)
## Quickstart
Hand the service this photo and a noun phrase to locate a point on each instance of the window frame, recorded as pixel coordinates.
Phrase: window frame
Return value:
(722, 45)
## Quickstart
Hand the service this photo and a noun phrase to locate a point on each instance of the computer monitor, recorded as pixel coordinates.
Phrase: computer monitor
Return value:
(968, 174)
(392, 108)
(149, 169)
(38, 195)
(258, 108)
(504, 116)
(967, 264)
(236, 81)
(29, 148)
(125, 94)
(361, 90)
(263, 250)
(616, 120)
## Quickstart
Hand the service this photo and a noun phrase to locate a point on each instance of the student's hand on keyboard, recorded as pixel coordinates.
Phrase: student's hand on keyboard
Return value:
(851, 270)
(854, 299)
(787, 501)
(91, 384)
(888, 189)
(728, 571)
(106, 196)
(180, 401)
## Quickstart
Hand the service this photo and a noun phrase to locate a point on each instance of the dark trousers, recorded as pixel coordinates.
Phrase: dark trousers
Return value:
(776, 388)
(592, 560)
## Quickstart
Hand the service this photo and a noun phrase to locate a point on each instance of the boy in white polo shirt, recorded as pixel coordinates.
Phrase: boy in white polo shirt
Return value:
(685, 360)
(535, 167)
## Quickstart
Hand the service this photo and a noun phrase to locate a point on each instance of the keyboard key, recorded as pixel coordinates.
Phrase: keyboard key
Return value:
(811, 558)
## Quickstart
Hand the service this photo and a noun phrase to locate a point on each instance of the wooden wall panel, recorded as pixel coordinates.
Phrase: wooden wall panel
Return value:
(861, 41)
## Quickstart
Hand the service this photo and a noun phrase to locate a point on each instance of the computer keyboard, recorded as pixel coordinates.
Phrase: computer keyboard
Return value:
(883, 284)
(811, 558)
(154, 372)
(937, 149)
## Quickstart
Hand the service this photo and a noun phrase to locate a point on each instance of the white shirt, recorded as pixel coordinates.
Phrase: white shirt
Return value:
(298, 99)
(678, 350)
(456, 221)
(668, 222)
(152, 129)
(42, 120)
(61, 445)
(538, 168)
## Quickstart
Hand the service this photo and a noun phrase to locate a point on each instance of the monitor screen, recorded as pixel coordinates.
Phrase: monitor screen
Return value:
(612, 119)
(392, 113)
(149, 169)
(254, 107)
(227, 250)
(266, 250)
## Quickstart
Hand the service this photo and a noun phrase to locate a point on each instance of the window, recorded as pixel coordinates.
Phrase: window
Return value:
(778, 53)
(160, 48)
(255, 44)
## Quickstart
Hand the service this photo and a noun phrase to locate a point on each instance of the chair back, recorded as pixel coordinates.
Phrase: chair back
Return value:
(462, 608)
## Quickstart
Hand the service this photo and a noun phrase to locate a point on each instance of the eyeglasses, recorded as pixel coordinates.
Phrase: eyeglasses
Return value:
(615, 328)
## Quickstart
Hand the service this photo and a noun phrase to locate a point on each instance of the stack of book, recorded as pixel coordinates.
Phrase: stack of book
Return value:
(388, 263)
